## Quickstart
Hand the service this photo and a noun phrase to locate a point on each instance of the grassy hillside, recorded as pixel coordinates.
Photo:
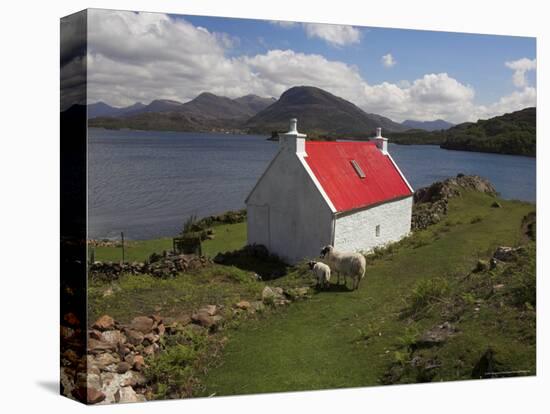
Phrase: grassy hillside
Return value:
(371, 336)
(513, 133)
(345, 339)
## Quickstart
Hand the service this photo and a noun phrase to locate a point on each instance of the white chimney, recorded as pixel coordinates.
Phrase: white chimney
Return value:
(292, 140)
(381, 142)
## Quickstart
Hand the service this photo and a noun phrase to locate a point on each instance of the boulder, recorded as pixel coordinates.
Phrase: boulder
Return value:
(66, 332)
(104, 323)
(210, 309)
(104, 361)
(111, 383)
(67, 381)
(206, 320)
(95, 346)
(122, 367)
(113, 337)
(128, 395)
(437, 335)
(134, 337)
(71, 319)
(507, 254)
(243, 304)
(298, 292)
(269, 294)
(142, 324)
(139, 362)
(133, 379)
(89, 395)
(257, 306)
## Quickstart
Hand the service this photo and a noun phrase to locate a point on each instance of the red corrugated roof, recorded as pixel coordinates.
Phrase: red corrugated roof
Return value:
(331, 164)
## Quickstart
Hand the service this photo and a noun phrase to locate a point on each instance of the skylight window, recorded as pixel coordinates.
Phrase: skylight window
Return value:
(357, 169)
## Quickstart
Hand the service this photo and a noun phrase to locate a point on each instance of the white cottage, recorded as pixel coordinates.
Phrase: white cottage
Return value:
(348, 194)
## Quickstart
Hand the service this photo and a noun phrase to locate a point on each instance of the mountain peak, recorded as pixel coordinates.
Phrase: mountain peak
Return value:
(320, 112)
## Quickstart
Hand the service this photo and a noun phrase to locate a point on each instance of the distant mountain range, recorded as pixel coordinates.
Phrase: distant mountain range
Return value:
(513, 133)
(319, 113)
(427, 125)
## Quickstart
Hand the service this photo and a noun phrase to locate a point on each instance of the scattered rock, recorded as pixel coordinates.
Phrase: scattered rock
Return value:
(90, 395)
(507, 254)
(128, 395)
(496, 204)
(104, 323)
(95, 346)
(71, 319)
(134, 379)
(104, 361)
(298, 292)
(113, 337)
(142, 324)
(431, 203)
(258, 306)
(139, 362)
(243, 304)
(206, 320)
(436, 335)
(134, 337)
(210, 309)
(122, 367)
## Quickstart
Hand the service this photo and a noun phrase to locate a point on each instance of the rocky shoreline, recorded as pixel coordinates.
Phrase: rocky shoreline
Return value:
(431, 203)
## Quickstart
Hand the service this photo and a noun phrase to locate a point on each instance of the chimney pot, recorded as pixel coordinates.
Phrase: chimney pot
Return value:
(381, 142)
(293, 140)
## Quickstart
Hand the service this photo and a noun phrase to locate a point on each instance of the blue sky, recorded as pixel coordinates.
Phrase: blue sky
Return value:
(402, 74)
(475, 59)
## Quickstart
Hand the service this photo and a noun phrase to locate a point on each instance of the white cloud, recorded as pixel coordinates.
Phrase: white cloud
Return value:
(388, 61)
(284, 24)
(145, 56)
(333, 34)
(520, 68)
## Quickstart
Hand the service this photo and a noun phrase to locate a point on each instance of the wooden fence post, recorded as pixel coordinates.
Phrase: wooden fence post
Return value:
(122, 238)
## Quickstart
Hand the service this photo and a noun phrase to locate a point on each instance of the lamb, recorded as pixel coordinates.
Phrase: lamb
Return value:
(352, 264)
(322, 271)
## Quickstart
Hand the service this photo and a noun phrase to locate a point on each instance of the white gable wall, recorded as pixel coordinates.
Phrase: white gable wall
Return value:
(357, 231)
(287, 213)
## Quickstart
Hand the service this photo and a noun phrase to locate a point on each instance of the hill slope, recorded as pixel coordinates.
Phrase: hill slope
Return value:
(514, 133)
(427, 125)
(318, 112)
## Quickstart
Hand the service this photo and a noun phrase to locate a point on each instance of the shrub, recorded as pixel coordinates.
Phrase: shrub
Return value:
(426, 292)
(170, 372)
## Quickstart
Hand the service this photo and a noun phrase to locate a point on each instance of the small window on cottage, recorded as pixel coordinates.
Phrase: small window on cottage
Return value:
(357, 169)
(378, 230)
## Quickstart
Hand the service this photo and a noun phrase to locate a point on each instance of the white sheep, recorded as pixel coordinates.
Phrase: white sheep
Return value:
(352, 264)
(322, 271)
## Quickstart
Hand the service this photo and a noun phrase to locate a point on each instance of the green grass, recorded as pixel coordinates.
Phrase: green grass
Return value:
(227, 237)
(134, 295)
(135, 250)
(346, 339)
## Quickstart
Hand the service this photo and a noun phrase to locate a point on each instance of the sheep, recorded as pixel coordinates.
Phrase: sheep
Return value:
(352, 264)
(322, 272)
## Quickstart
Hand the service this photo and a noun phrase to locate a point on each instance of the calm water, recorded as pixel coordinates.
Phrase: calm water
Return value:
(146, 183)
